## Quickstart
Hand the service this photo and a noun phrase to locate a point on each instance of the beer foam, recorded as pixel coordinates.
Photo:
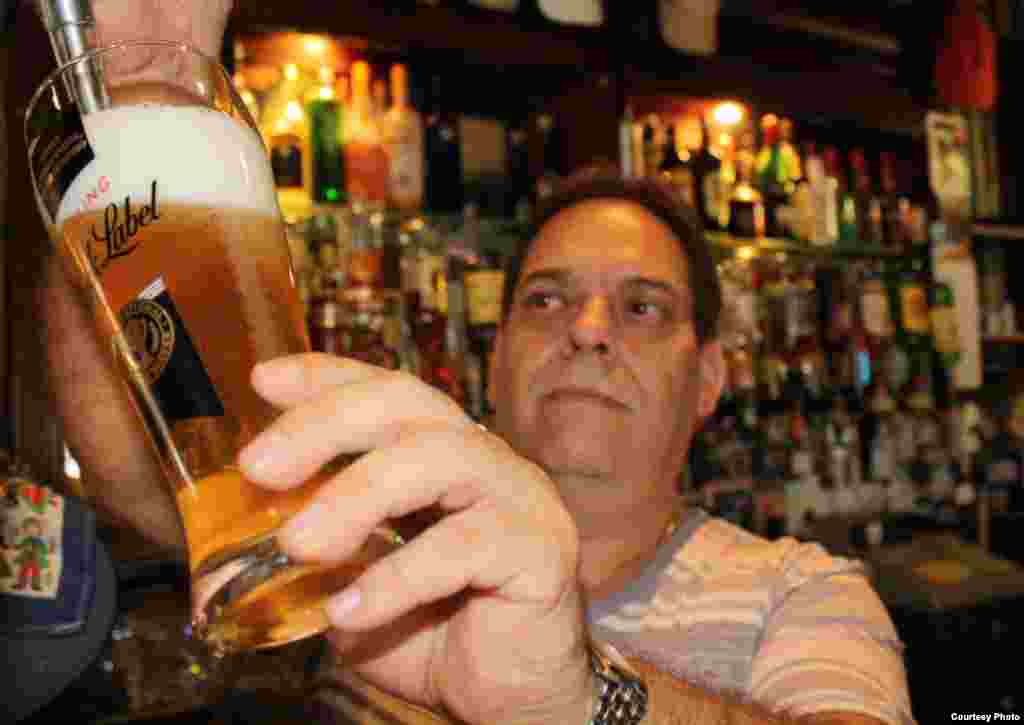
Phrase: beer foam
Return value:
(196, 155)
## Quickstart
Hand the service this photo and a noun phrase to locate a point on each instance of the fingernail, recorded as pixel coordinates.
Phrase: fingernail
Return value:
(258, 458)
(340, 606)
(299, 533)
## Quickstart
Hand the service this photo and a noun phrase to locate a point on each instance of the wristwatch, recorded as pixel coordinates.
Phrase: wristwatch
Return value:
(622, 694)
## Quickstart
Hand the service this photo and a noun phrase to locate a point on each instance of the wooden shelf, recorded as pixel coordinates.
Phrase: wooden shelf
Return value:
(771, 245)
(993, 230)
(1004, 339)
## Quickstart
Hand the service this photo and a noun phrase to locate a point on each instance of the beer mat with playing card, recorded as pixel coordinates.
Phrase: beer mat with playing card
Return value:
(57, 593)
(47, 559)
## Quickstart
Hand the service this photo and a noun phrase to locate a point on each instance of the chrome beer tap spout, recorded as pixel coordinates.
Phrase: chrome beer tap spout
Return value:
(71, 26)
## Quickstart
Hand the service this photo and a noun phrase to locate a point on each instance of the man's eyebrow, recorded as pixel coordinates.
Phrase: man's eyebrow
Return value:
(657, 284)
(558, 276)
(563, 277)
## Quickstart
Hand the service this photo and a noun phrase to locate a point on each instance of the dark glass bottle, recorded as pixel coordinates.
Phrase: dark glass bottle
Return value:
(869, 206)
(325, 122)
(676, 169)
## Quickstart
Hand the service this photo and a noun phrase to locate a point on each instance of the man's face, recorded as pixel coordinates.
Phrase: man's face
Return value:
(597, 371)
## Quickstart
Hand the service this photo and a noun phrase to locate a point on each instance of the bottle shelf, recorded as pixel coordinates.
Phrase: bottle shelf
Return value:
(993, 230)
(770, 245)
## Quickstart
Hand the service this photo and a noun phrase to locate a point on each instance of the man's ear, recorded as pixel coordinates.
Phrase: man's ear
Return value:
(712, 378)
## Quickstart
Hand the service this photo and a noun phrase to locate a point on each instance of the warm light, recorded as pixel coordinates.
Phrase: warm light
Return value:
(314, 45)
(727, 113)
(326, 93)
(291, 72)
(293, 111)
(746, 253)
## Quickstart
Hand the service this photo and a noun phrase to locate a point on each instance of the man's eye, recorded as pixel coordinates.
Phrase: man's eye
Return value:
(646, 310)
(542, 300)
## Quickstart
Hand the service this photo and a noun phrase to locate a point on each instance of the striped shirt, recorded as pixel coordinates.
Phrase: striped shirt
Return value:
(778, 622)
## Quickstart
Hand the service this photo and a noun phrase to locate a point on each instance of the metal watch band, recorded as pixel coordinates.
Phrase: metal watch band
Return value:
(622, 695)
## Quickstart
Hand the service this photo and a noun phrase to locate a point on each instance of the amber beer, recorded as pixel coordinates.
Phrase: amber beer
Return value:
(180, 248)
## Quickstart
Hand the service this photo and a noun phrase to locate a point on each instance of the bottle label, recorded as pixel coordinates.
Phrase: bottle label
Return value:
(875, 308)
(431, 281)
(483, 296)
(167, 357)
(406, 173)
(286, 160)
(947, 334)
(914, 306)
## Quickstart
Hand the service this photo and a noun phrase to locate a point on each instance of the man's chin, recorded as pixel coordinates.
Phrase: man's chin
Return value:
(558, 460)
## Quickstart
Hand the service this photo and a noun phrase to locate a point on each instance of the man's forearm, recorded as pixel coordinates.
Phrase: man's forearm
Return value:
(675, 702)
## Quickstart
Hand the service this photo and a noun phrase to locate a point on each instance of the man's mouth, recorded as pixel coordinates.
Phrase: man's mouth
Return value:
(572, 393)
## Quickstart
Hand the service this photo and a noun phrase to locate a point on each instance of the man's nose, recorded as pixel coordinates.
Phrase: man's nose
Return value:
(594, 325)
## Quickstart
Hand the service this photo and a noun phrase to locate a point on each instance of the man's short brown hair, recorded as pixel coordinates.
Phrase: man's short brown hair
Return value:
(657, 200)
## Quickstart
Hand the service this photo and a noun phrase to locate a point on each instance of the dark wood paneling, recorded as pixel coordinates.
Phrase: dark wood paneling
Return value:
(482, 37)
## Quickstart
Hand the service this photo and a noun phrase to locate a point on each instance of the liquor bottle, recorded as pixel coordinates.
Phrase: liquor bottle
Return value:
(653, 145)
(484, 281)
(823, 198)
(443, 190)
(945, 331)
(450, 374)
(626, 165)
(325, 128)
(366, 165)
(915, 334)
(379, 100)
(790, 156)
(711, 194)
(403, 140)
(875, 305)
(676, 169)
(895, 207)
(365, 253)
(846, 201)
(287, 133)
(326, 327)
(869, 206)
(746, 206)
(807, 379)
(773, 178)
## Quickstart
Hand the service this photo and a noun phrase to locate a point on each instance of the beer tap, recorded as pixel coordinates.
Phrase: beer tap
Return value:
(71, 26)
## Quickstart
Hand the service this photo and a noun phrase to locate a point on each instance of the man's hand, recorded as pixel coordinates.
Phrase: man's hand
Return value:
(480, 614)
(100, 424)
(198, 22)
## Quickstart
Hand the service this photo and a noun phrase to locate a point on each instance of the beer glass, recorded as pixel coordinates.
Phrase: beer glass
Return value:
(158, 193)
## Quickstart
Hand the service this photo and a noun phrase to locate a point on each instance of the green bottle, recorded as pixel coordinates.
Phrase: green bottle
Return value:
(325, 122)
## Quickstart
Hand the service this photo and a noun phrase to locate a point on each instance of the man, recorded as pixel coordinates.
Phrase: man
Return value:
(559, 528)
